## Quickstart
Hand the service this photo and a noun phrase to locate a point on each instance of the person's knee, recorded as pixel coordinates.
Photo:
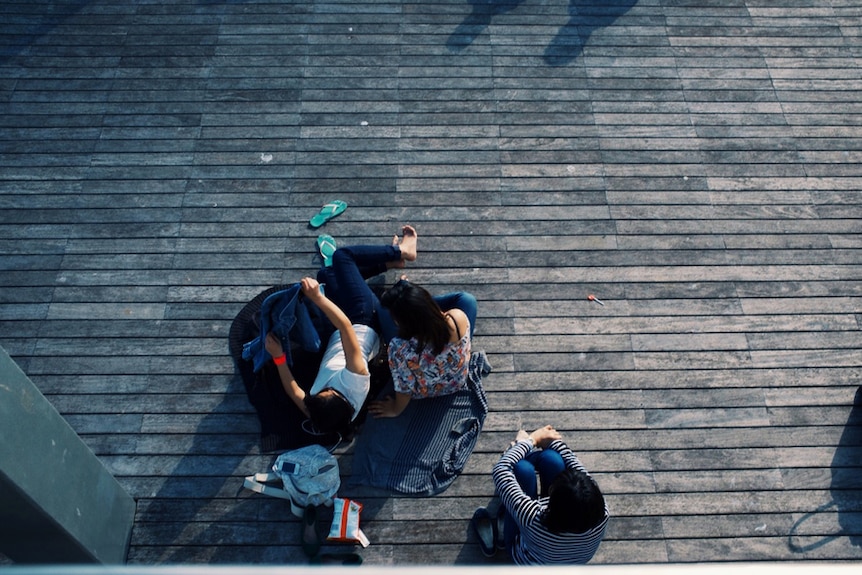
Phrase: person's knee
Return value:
(549, 464)
(467, 303)
(341, 255)
(550, 460)
(525, 467)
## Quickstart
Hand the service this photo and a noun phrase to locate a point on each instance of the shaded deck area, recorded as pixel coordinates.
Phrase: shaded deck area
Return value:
(695, 164)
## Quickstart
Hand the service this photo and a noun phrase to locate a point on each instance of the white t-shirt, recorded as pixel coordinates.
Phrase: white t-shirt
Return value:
(333, 372)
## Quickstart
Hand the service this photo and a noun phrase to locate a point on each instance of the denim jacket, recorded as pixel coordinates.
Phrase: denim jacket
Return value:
(286, 314)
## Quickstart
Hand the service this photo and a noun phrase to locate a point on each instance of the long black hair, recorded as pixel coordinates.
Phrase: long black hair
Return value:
(329, 412)
(417, 315)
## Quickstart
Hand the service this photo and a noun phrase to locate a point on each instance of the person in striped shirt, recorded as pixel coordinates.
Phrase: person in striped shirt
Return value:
(558, 519)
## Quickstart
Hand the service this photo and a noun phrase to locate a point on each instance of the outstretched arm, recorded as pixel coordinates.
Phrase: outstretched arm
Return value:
(288, 382)
(354, 357)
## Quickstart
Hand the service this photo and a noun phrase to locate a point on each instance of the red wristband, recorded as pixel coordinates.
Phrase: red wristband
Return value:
(280, 360)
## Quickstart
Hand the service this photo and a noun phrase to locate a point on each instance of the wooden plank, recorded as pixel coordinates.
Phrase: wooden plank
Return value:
(695, 166)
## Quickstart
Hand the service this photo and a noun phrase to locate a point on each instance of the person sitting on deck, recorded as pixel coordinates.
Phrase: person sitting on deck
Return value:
(343, 379)
(431, 354)
(562, 522)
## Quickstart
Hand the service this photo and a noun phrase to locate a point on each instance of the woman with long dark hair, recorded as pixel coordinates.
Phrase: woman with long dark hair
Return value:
(430, 356)
(343, 379)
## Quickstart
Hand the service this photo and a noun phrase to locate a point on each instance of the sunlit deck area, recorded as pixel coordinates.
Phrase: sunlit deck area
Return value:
(694, 164)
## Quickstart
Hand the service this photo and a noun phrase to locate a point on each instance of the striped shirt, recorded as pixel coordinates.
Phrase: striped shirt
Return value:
(536, 545)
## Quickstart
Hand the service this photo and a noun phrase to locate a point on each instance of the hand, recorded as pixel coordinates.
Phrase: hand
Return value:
(311, 289)
(273, 345)
(383, 407)
(522, 435)
(545, 435)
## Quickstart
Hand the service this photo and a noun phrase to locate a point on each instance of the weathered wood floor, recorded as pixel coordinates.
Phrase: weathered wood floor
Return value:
(693, 163)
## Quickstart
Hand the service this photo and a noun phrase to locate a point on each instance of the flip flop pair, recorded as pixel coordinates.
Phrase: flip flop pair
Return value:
(326, 246)
(327, 212)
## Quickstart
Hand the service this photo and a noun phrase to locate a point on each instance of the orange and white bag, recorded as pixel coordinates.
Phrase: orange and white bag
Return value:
(345, 523)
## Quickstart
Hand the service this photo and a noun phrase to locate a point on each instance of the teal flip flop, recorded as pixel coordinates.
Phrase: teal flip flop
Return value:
(328, 212)
(326, 246)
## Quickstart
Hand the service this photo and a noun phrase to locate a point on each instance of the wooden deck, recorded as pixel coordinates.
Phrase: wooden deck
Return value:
(695, 164)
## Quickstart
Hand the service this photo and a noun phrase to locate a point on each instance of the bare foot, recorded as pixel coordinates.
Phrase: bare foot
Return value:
(408, 243)
(407, 246)
(400, 263)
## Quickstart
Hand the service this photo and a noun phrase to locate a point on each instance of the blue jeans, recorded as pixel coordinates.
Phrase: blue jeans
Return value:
(347, 288)
(549, 465)
(346, 285)
(283, 314)
(463, 301)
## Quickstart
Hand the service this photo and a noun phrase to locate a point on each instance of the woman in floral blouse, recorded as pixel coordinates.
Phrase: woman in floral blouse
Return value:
(430, 356)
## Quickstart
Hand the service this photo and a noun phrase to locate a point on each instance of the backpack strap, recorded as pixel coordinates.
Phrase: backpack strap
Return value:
(257, 483)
